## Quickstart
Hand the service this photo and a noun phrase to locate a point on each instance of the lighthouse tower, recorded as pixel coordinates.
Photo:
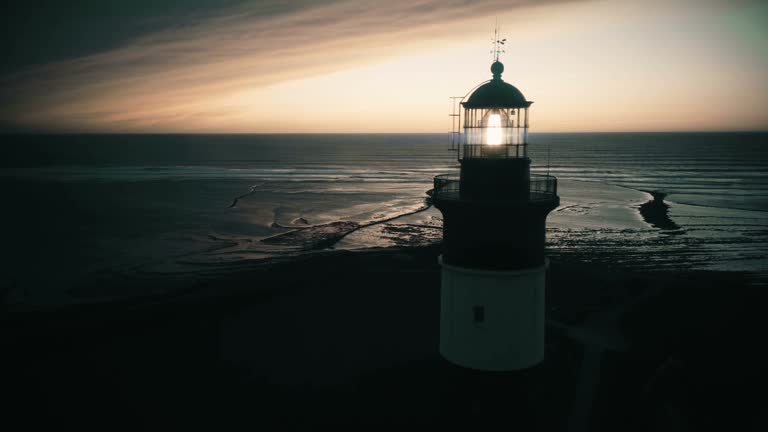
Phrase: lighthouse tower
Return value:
(494, 213)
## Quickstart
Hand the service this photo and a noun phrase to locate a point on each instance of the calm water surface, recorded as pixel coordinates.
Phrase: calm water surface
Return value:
(85, 212)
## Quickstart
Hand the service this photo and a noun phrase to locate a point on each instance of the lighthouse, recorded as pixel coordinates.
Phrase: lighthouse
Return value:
(494, 215)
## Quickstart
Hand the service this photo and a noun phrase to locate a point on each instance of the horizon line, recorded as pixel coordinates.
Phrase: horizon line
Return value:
(6, 133)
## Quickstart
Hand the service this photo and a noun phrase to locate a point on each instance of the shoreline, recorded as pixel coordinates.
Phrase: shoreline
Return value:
(616, 223)
(318, 241)
(176, 287)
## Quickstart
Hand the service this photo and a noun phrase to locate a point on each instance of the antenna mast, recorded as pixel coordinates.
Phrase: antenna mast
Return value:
(547, 159)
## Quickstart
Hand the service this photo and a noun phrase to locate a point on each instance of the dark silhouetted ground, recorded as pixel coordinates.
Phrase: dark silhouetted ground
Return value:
(352, 338)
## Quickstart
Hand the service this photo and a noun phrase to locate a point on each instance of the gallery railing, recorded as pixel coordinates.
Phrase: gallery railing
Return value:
(540, 187)
(473, 151)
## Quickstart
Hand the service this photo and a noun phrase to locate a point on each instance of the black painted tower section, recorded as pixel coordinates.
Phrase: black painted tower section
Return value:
(496, 222)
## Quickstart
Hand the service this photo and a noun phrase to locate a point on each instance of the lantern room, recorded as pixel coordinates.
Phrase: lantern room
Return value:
(495, 120)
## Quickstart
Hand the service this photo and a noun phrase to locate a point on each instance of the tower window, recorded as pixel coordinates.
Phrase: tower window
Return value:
(478, 313)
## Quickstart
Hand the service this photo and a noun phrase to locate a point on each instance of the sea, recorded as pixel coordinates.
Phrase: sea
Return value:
(91, 218)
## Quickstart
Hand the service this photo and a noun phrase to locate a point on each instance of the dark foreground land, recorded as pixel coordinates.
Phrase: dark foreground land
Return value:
(351, 338)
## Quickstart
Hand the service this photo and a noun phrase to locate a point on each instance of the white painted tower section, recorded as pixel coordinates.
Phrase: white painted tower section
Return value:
(492, 320)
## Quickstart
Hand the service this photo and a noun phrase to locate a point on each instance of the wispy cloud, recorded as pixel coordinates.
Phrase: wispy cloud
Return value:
(173, 69)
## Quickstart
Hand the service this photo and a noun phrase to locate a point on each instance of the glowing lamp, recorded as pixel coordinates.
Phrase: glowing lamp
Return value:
(493, 126)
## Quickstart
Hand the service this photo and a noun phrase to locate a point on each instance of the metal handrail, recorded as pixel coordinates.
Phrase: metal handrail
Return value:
(541, 187)
(505, 151)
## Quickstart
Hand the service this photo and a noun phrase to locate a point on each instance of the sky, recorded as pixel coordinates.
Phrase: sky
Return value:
(309, 66)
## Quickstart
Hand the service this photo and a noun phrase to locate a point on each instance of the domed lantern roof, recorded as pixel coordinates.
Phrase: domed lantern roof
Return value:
(496, 93)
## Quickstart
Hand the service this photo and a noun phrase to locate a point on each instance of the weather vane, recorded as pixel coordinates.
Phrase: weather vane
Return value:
(497, 43)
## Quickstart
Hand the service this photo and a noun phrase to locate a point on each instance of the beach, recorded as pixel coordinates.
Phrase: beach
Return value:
(293, 281)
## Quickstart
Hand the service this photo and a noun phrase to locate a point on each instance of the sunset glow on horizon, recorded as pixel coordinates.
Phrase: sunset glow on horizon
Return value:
(345, 66)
